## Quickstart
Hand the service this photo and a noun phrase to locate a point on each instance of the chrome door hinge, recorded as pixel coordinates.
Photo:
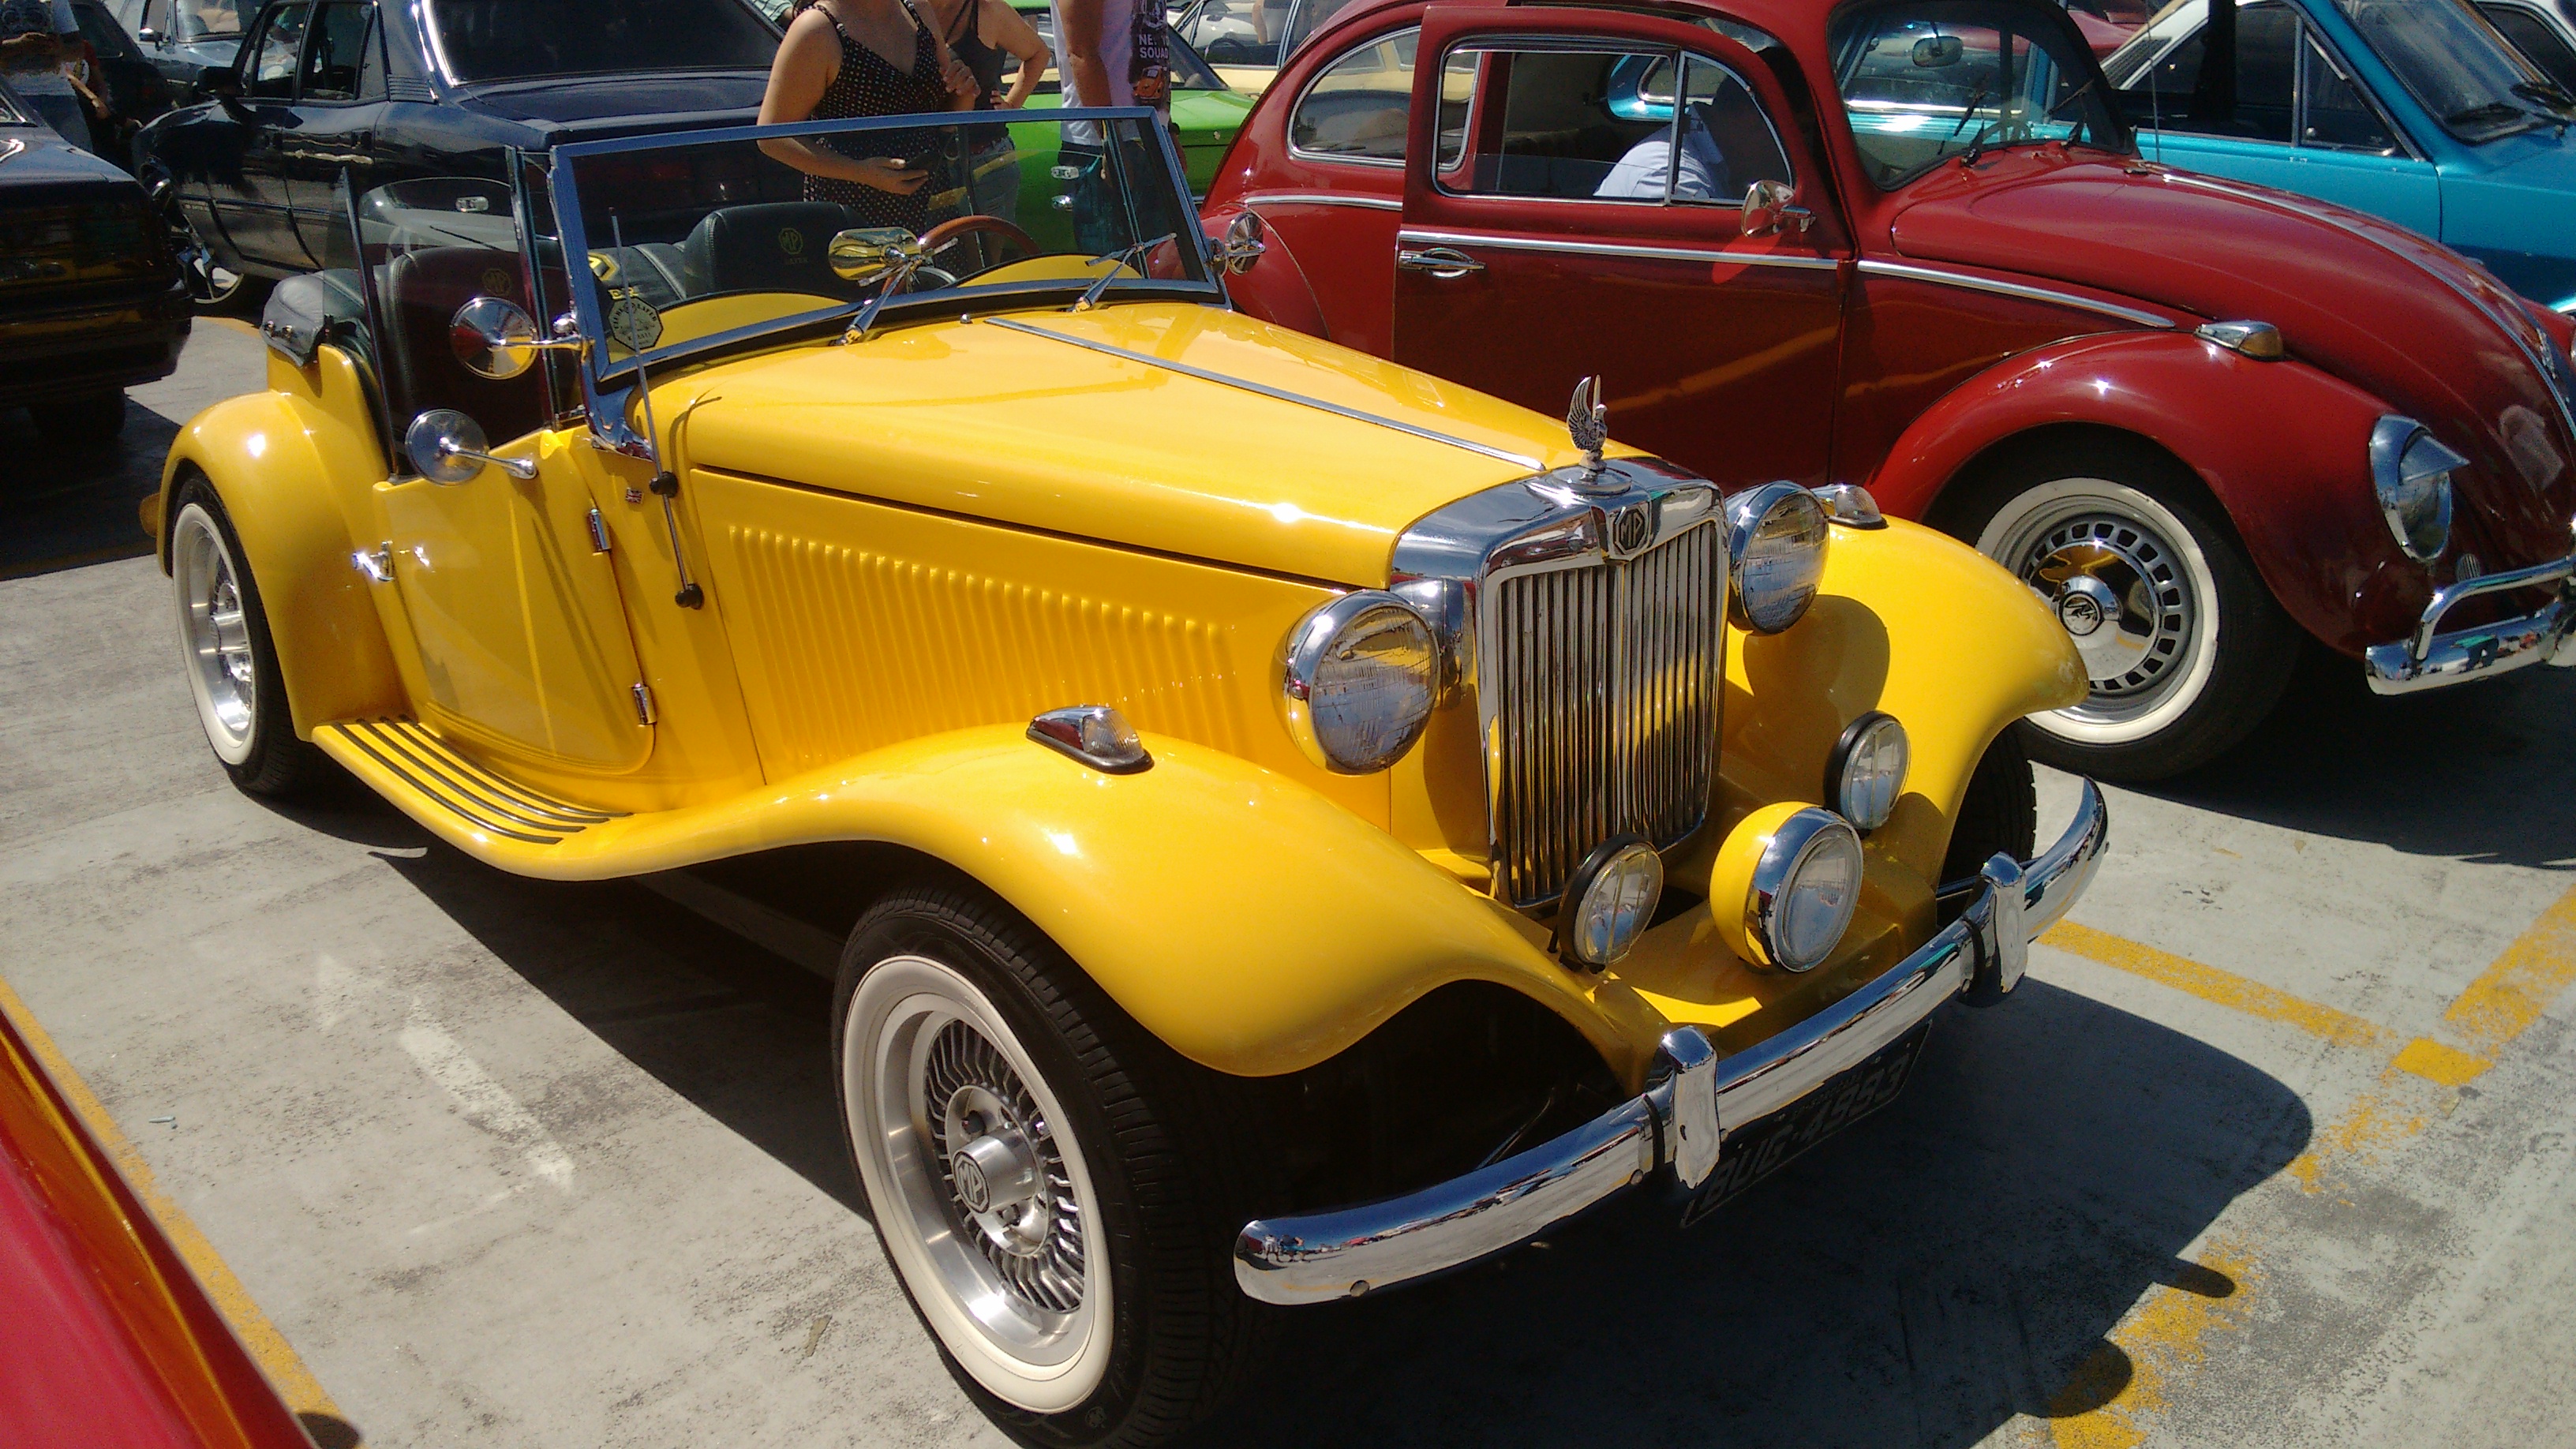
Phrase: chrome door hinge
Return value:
(643, 703)
(376, 563)
(598, 533)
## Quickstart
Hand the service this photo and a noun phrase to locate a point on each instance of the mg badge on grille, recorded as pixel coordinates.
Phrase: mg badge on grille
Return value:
(1629, 529)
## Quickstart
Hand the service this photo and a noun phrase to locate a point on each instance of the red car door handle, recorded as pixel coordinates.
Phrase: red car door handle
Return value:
(1443, 262)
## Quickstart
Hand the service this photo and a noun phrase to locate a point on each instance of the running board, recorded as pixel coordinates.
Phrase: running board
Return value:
(437, 786)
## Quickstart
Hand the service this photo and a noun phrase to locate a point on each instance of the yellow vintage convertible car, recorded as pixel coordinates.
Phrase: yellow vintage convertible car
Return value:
(1284, 826)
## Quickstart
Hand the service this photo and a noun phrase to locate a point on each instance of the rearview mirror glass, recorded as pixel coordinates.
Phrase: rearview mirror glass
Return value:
(1936, 51)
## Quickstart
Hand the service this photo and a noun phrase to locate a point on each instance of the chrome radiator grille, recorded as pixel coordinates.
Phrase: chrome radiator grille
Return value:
(1600, 685)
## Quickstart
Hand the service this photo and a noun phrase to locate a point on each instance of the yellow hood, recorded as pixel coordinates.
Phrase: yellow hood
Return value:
(981, 419)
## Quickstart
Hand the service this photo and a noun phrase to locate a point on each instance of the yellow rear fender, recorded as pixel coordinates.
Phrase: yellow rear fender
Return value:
(283, 461)
(1246, 920)
(1911, 623)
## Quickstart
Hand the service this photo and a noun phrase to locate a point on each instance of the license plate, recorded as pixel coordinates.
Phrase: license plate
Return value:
(1772, 1143)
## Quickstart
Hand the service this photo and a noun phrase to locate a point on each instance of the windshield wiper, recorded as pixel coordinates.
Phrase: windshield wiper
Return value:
(1117, 260)
(2545, 93)
(2484, 112)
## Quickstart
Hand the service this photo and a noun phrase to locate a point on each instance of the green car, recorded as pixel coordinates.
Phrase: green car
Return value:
(1205, 110)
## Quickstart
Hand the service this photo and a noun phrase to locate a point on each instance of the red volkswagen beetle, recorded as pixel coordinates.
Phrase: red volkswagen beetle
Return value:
(1908, 244)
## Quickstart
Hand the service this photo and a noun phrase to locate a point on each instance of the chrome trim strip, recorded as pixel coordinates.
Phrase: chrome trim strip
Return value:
(1325, 198)
(1221, 380)
(472, 785)
(2430, 660)
(1318, 1257)
(1613, 249)
(1939, 276)
(2516, 335)
(360, 744)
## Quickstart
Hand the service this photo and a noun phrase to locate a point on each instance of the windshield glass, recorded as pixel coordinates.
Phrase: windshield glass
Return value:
(490, 40)
(697, 243)
(1252, 33)
(2455, 63)
(206, 19)
(1924, 80)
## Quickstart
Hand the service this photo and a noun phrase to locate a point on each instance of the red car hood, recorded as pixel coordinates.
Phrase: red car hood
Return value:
(2379, 306)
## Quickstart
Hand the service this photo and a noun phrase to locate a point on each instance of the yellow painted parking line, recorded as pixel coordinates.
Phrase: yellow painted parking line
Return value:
(2435, 1062)
(277, 1358)
(2117, 1388)
(235, 323)
(2512, 993)
(2210, 984)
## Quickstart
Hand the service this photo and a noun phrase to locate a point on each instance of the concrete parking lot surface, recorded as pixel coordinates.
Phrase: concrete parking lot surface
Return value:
(2273, 1147)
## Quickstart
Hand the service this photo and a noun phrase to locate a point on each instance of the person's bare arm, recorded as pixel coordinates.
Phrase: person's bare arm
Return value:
(809, 55)
(1086, 79)
(1017, 36)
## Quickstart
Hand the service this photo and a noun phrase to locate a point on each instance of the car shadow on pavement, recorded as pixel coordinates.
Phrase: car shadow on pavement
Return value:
(1951, 1262)
(2478, 772)
(71, 505)
(741, 1033)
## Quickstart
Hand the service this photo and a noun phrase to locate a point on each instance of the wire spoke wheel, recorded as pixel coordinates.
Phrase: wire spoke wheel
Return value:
(982, 1198)
(214, 634)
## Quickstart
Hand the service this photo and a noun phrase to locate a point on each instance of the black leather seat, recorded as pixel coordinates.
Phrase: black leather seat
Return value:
(775, 246)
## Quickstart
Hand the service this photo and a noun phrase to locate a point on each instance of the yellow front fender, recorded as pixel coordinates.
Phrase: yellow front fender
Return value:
(272, 456)
(1249, 922)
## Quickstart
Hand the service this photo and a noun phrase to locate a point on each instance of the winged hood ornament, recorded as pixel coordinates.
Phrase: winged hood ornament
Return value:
(1588, 421)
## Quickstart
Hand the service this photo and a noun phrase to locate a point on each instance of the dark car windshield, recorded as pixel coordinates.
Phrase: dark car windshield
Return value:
(489, 40)
(1924, 80)
(2455, 63)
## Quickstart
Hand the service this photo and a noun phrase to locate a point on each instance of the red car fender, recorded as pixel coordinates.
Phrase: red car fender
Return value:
(2282, 446)
(1274, 288)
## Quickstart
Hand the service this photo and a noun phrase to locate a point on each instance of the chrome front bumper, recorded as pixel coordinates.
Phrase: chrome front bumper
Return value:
(1693, 1104)
(2431, 659)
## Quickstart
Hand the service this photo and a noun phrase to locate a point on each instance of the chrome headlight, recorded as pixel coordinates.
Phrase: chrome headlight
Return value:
(1775, 541)
(1609, 901)
(1805, 888)
(2412, 474)
(1357, 679)
(1866, 772)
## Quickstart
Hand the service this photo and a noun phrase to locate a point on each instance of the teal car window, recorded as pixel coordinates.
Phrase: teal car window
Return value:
(2334, 113)
(2456, 65)
(1928, 80)
(2539, 42)
(2175, 94)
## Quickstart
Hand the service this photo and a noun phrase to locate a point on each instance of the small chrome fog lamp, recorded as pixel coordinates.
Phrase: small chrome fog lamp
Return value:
(1797, 869)
(1096, 734)
(2412, 474)
(1775, 539)
(1609, 901)
(1357, 680)
(1865, 774)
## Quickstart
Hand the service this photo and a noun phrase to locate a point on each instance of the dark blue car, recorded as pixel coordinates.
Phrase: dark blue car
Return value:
(412, 89)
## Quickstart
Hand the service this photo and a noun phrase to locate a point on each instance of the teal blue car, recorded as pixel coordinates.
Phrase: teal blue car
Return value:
(2412, 110)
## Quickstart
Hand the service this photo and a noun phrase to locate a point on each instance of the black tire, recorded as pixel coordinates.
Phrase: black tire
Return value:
(85, 422)
(259, 750)
(1999, 812)
(1160, 1141)
(2177, 682)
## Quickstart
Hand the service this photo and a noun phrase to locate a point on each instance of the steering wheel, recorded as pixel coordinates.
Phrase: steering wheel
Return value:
(957, 228)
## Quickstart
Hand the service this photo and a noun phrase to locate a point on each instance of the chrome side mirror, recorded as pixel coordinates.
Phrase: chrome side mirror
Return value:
(447, 447)
(867, 253)
(1771, 207)
(1243, 244)
(496, 338)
